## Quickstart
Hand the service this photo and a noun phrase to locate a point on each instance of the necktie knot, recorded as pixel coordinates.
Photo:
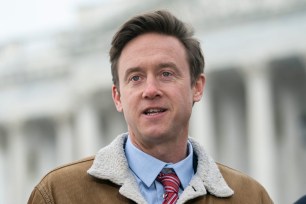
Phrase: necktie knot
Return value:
(171, 184)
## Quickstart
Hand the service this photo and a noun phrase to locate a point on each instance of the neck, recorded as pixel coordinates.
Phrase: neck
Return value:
(171, 151)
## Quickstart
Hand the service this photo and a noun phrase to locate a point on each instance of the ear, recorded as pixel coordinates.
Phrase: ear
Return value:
(116, 98)
(198, 88)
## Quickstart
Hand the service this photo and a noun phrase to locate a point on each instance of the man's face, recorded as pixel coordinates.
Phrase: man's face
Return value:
(155, 93)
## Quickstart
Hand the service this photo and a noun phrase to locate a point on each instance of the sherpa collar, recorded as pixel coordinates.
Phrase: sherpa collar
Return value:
(111, 164)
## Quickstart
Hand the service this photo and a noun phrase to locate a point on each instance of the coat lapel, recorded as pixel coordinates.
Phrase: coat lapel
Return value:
(111, 164)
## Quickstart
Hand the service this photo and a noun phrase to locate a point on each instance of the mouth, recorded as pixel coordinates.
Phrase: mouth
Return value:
(153, 111)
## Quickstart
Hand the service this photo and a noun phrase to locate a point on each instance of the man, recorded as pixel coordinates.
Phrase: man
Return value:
(301, 200)
(157, 68)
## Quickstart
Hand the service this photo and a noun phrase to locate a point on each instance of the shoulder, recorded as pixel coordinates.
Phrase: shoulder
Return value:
(61, 179)
(70, 169)
(243, 185)
(301, 200)
(233, 174)
(68, 174)
(71, 184)
(234, 177)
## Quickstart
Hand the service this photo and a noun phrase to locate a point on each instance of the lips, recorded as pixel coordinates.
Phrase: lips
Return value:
(153, 111)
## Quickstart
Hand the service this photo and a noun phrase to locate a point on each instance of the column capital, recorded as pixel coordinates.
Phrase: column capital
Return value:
(252, 70)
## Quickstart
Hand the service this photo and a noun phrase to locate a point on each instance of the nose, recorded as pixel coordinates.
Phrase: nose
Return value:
(151, 89)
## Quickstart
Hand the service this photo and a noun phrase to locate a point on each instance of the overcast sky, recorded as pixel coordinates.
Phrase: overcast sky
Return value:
(22, 18)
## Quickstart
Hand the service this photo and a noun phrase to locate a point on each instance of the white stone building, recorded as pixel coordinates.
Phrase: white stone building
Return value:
(56, 106)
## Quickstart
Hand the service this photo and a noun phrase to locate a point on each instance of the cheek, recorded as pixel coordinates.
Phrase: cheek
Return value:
(128, 102)
(186, 94)
(184, 101)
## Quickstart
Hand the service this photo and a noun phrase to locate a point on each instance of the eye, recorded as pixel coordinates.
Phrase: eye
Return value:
(135, 78)
(167, 74)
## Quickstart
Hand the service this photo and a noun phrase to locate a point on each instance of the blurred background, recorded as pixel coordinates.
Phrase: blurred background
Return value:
(55, 86)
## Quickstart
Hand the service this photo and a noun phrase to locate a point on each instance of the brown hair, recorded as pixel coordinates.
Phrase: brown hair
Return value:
(162, 22)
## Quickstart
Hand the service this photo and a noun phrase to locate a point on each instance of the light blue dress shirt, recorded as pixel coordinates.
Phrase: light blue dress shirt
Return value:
(146, 168)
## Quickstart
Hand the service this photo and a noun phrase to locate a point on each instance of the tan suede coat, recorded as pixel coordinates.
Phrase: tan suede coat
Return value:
(106, 179)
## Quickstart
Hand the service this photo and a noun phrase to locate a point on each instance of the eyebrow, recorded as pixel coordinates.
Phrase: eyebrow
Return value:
(131, 70)
(167, 64)
(170, 65)
(159, 66)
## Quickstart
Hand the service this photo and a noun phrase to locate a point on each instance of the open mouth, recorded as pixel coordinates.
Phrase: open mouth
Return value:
(153, 111)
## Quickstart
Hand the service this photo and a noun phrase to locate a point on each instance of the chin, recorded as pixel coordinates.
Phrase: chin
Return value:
(156, 136)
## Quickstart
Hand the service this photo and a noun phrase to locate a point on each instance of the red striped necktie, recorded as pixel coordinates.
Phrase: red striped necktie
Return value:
(171, 184)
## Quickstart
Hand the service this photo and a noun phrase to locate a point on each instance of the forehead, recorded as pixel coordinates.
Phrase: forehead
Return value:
(153, 40)
(150, 47)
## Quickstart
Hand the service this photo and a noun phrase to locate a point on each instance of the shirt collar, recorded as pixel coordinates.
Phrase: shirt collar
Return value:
(150, 166)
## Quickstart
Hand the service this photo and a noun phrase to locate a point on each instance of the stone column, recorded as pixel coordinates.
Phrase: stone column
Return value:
(202, 122)
(64, 139)
(88, 130)
(17, 164)
(291, 144)
(232, 137)
(3, 167)
(261, 130)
